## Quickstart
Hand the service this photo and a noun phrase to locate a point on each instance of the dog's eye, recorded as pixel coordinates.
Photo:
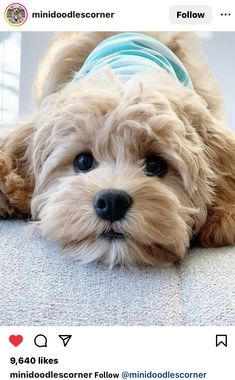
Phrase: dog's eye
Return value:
(84, 162)
(155, 165)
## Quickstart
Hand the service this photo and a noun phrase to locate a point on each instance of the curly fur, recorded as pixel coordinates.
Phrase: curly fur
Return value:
(120, 123)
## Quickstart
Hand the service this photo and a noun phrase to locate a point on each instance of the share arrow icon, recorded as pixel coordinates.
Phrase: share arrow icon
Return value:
(65, 339)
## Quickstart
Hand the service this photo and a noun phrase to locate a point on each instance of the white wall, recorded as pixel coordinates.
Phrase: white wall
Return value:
(33, 46)
(220, 51)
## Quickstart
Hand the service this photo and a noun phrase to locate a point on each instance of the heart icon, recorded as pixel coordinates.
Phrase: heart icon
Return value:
(16, 340)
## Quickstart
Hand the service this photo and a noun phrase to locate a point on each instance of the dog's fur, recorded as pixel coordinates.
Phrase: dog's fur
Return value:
(120, 123)
(17, 15)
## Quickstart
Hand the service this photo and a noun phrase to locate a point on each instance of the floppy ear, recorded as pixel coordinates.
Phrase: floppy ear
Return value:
(16, 174)
(219, 229)
(64, 57)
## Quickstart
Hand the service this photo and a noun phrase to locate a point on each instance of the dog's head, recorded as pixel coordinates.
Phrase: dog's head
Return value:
(121, 171)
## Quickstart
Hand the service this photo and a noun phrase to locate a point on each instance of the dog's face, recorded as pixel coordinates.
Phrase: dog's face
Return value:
(121, 172)
(16, 10)
(17, 13)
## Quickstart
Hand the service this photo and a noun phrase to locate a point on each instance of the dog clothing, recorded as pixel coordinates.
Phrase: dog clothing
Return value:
(130, 53)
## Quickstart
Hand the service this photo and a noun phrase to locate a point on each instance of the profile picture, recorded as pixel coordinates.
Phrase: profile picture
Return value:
(16, 14)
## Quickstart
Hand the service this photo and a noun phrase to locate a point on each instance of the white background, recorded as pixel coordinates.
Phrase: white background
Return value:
(135, 15)
(157, 349)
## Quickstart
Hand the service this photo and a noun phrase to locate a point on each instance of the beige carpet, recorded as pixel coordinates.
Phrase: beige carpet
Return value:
(40, 287)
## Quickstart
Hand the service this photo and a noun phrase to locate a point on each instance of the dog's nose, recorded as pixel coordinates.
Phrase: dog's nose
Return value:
(112, 204)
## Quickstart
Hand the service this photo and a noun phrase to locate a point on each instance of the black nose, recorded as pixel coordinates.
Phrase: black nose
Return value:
(112, 204)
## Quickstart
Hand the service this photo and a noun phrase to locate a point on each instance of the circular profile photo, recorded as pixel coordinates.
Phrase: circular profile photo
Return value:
(16, 14)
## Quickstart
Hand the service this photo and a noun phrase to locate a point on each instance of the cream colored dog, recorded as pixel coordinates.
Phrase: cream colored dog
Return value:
(18, 15)
(123, 173)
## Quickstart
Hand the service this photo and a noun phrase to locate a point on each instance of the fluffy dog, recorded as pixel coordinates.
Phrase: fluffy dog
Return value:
(18, 15)
(123, 172)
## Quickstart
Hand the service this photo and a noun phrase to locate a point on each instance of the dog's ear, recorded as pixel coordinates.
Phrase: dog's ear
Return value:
(218, 143)
(64, 57)
(16, 172)
(219, 229)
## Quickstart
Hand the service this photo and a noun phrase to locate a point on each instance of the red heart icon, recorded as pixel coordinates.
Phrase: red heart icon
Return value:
(16, 340)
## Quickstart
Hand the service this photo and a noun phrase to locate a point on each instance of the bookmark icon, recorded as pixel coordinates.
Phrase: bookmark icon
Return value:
(221, 340)
(65, 339)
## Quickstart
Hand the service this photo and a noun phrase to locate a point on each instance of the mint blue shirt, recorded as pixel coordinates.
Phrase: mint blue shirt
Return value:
(130, 53)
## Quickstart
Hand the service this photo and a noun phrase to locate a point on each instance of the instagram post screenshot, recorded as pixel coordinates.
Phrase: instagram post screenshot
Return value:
(117, 190)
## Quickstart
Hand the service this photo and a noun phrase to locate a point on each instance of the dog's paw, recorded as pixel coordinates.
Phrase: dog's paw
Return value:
(14, 199)
(5, 208)
(5, 166)
(16, 191)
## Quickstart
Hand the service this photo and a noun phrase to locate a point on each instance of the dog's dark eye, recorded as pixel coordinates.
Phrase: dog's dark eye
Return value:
(84, 162)
(155, 165)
